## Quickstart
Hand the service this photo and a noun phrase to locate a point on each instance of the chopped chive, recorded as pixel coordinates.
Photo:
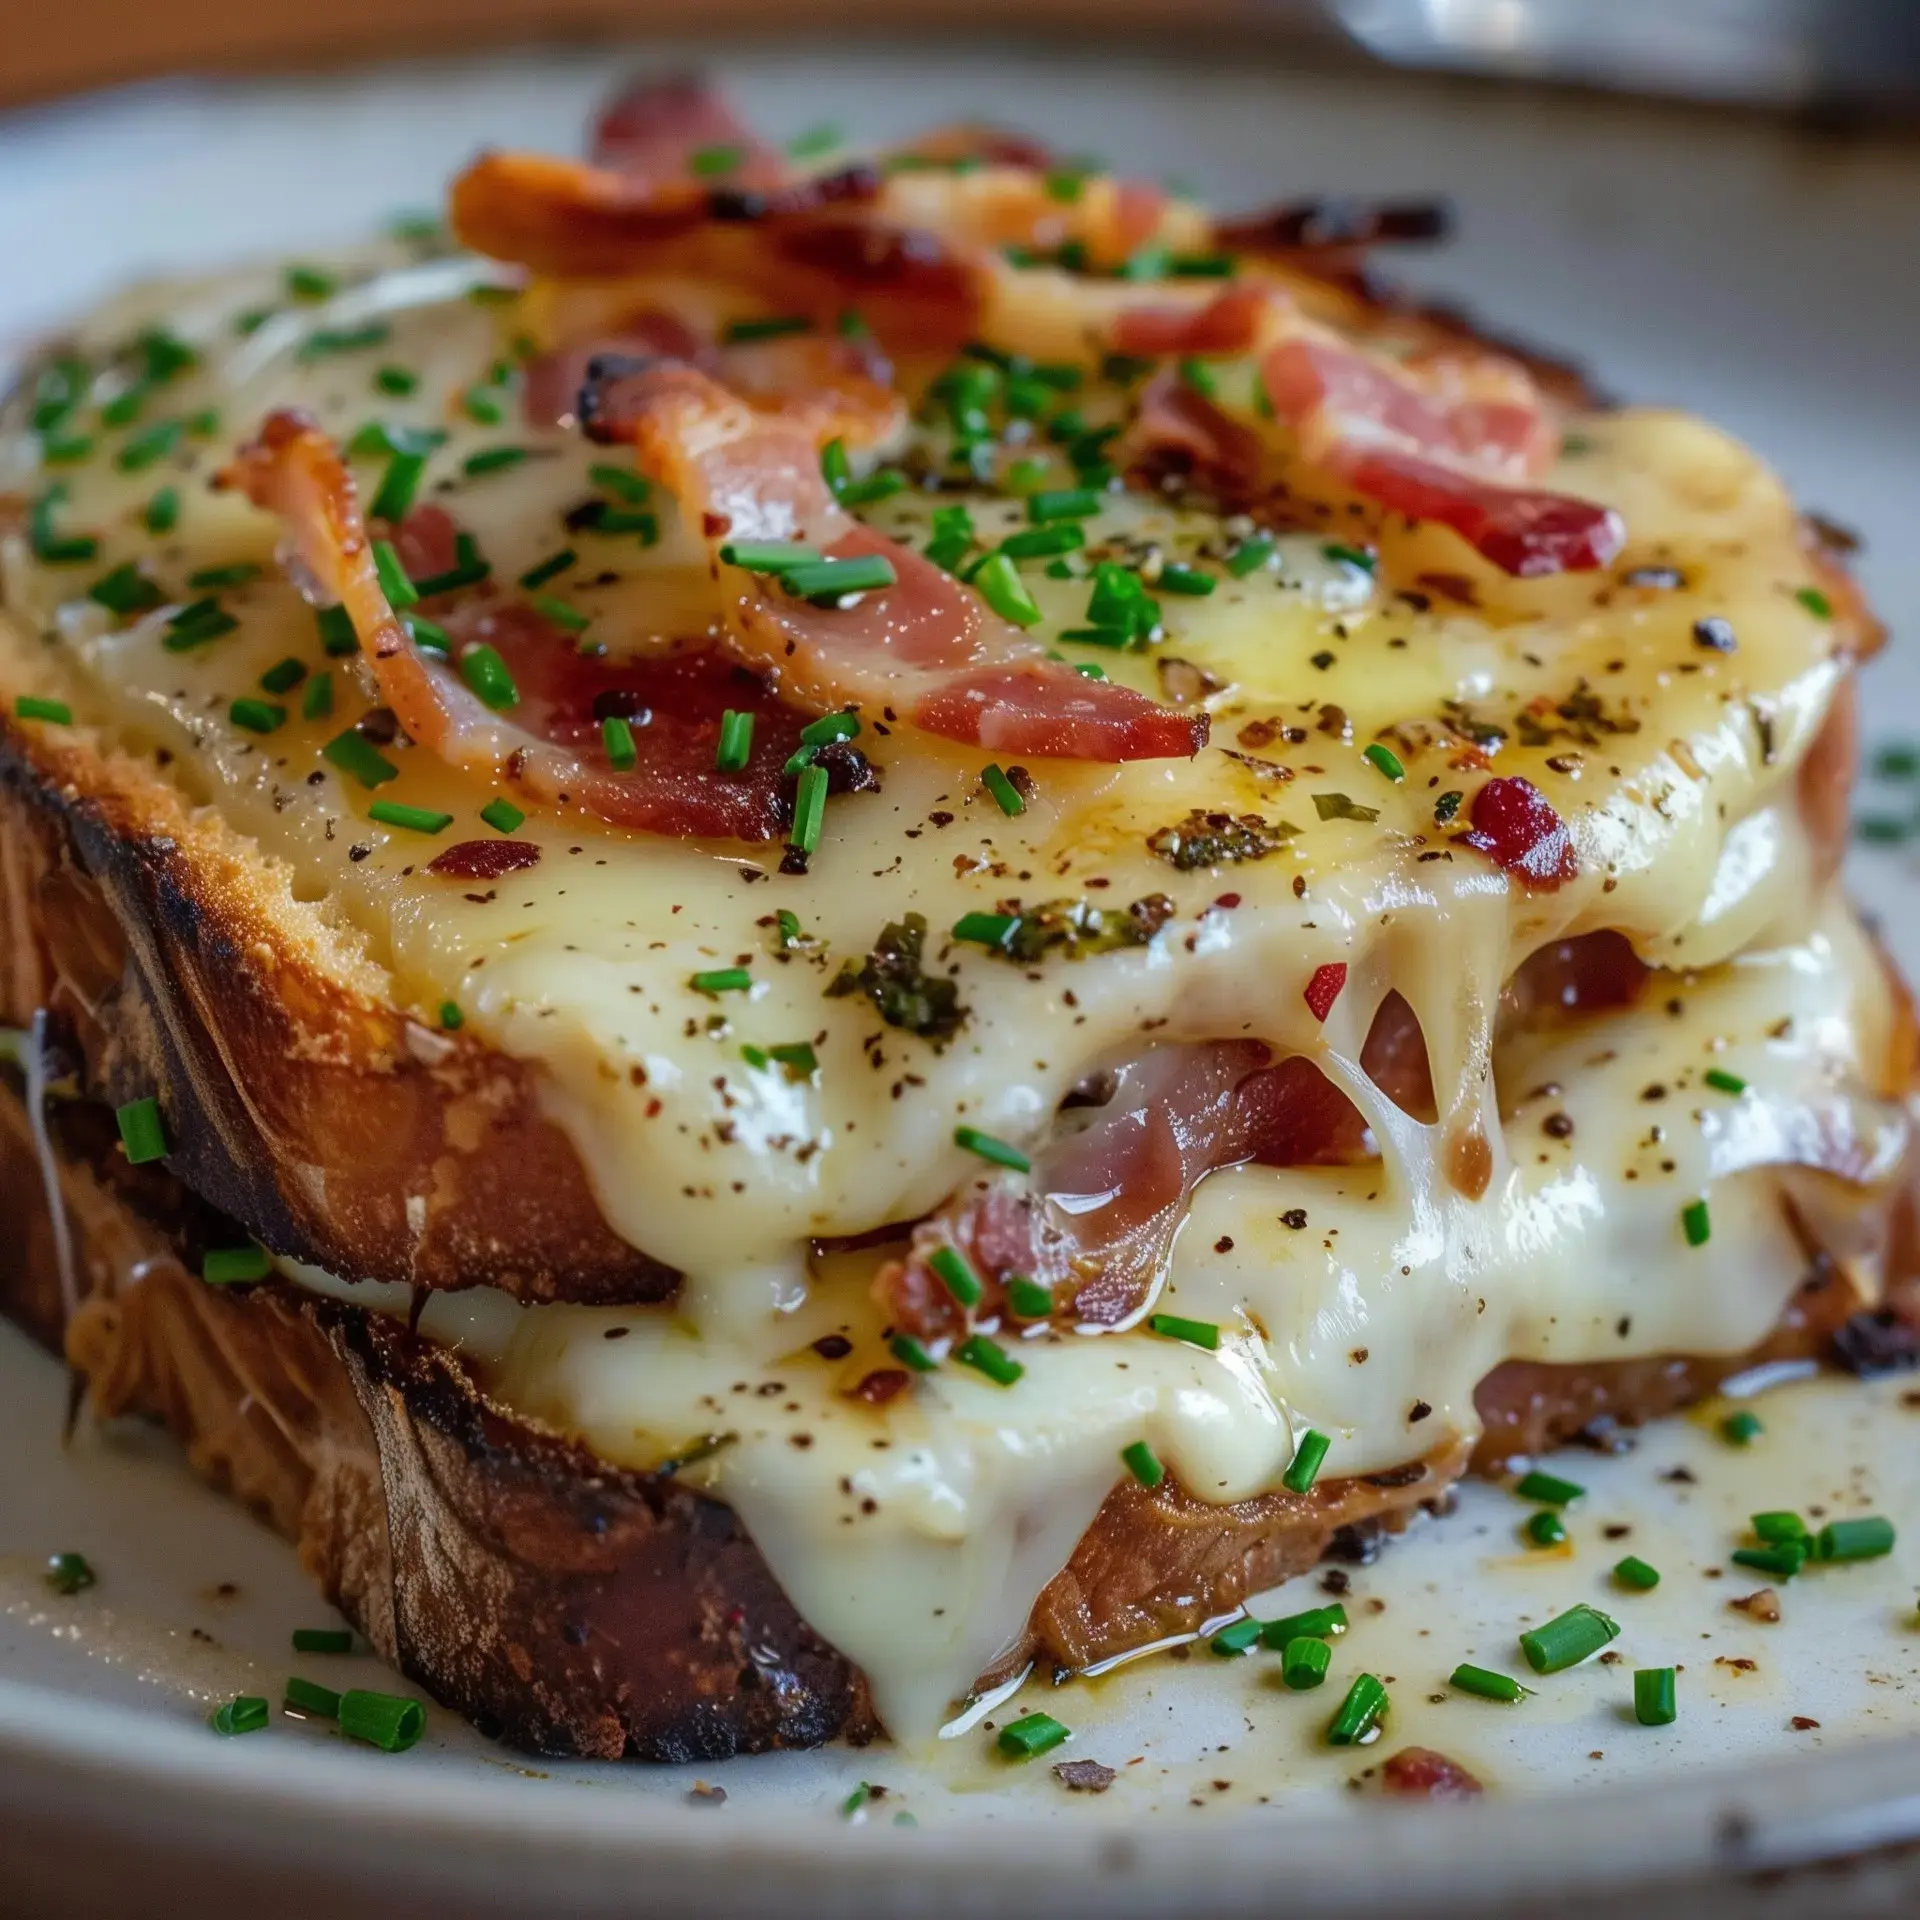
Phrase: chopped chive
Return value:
(719, 980)
(141, 1134)
(1316, 1623)
(1546, 1529)
(1723, 1082)
(124, 408)
(1033, 1734)
(797, 1057)
(548, 569)
(1038, 543)
(774, 326)
(258, 716)
(769, 556)
(1006, 796)
(1783, 1560)
(236, 1266)
(1143, 1463)
(634, 488)
(911, 1354)
(337, 637)
(1548, 1489)
(1778, 1526)
(1815, 602)
(854, 1801)
(835, 467)
(487, 674)
(148, 447)
(809, 809)
(245, 1713)
(985, 1356)
(1696, 1223)
(283, 676)
(483, 407)
(1385, 759)
(988, 1148)
(882, 484)
(1192, 1333)
(1568, 1639)
(1864, 1539)
(383, 1720)
(1635, 1575)
(1654, 1702)
(195, 625)
(398, 381)
(1360, 1713)
(493, 460)
(1304, 1663)
(1307, 1456)
(1352, 557)
(322, 1640)
(69, 449)
(562, 612)
(503, 816)
(324, 342)
(317, 702)
(1488, 1685)
(394, 583)
(735, 746)
(125, 591)
(1000, 586)
(428, 635)
(399, 485)
(211, 579)
(814, 142)
(1028, 1298)
(985, 929)
(1742, 1429)
(1175, 578)
(833, 579)
(830, 727)
(1195, 373)
(1446, 807)
(310, 283)
(1250, 555)
(352, 752)
(1023, 476)
(950, 1267)
(33, 706)
(162, 513)
(1238, 1637)
(70, 1573)
(708, 161)
(1062, 503)
(391, 813)
(1202, 266)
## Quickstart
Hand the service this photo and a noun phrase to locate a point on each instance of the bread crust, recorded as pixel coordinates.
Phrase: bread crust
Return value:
(298, 1099)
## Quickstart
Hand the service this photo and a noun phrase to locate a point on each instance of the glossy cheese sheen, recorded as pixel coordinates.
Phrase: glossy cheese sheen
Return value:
(1675, 767)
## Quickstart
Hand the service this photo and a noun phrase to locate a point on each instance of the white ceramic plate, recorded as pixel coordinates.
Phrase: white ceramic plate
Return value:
(1763, 278)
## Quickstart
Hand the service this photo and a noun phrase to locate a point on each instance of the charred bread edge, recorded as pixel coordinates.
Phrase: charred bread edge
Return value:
(297, 1099)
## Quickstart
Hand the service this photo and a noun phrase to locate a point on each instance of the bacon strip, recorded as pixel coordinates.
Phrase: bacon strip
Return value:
(1095, 1218)
(925, 649)
(548, 745)
(651, 129)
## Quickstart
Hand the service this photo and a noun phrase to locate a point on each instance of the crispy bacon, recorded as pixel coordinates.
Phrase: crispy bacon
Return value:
(1230, 322)
(925, 649)
(1419, 1773)
(547, 745)
(651, 130)
(1095, 1219)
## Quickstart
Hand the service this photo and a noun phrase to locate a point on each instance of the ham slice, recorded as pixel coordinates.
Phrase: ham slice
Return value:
(926, 649)
(547, 745)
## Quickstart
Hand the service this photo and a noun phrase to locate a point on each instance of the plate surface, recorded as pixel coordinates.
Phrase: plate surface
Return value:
(1757, 275)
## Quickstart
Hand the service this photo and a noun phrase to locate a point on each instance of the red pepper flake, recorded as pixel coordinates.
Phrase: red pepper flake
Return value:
(1324, 988)
(1516, 827)
(484, 859)
(1420, 1773)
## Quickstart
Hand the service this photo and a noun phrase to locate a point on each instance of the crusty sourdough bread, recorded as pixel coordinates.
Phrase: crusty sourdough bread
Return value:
(575, 1608)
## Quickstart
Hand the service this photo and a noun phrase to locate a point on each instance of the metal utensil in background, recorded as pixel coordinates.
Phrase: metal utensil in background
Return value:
(1844, 54)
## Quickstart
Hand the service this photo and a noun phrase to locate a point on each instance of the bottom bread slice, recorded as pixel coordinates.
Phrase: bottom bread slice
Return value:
(570, 1607)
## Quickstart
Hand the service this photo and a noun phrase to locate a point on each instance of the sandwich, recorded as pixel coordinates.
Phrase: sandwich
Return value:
(793, 928)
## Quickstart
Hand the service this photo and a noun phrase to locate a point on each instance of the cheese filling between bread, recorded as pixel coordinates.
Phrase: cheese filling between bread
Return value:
(1363, 1300)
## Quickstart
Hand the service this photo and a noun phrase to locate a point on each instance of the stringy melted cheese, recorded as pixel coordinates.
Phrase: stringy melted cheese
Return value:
(915, 1537)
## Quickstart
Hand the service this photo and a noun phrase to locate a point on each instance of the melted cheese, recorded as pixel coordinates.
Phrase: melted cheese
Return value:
(915, 1538)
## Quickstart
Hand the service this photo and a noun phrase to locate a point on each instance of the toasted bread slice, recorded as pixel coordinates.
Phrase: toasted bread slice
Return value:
(574, 1608)
(301, 1102)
